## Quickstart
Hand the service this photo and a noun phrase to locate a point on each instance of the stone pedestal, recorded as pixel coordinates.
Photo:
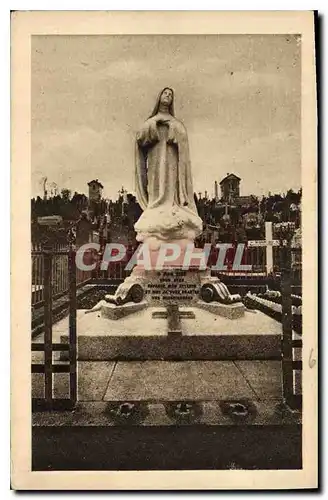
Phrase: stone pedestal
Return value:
(173, 287)
(230, 311)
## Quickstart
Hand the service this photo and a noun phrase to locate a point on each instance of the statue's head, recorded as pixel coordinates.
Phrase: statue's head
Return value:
(166, 97)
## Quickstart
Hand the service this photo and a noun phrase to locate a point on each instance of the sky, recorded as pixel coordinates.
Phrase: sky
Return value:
(239, 97)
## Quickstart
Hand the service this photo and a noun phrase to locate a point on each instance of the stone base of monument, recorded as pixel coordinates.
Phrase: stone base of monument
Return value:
(115, 312)
(112, 311)
(231, 311)
(142, 336)
(172, 288)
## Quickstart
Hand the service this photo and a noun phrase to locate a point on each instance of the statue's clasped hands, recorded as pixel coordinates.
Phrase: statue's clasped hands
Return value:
(162, 121)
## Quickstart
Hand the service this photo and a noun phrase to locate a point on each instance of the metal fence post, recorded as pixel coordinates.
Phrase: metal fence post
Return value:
(48, 327)
(72, 324)
(287, 322)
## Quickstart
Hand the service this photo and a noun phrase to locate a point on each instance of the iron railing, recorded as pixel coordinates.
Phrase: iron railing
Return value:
(48, 368)
(59, 273)
(291, 367)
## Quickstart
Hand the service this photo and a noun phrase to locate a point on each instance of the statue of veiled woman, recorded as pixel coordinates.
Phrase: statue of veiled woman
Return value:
(164, 186)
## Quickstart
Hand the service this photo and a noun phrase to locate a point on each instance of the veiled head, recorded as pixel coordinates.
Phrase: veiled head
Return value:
(166, 97)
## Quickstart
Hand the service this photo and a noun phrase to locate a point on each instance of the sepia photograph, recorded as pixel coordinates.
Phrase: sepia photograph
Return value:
(167, 205)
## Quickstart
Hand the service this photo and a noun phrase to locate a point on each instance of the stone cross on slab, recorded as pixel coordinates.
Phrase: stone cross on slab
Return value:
(269, 243)
(174, 316)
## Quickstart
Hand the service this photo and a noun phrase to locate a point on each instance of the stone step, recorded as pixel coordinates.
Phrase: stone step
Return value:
(141, 336)
(170, 413)
(153, 436)
(162, 347)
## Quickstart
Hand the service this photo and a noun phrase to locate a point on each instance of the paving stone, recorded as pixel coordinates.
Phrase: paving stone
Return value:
(162, 380)
(37, 381)
(265, 377)
(60, 385)
(93, 378)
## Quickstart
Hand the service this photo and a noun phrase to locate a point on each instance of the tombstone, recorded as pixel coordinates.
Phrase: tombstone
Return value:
(268, 243)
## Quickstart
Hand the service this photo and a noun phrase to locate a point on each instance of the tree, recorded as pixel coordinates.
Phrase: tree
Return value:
(66, 194)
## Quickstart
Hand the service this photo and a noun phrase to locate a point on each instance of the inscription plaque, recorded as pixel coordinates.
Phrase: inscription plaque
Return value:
(173, 286)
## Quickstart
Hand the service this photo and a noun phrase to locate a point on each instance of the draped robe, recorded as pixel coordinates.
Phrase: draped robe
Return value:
(164, 183)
